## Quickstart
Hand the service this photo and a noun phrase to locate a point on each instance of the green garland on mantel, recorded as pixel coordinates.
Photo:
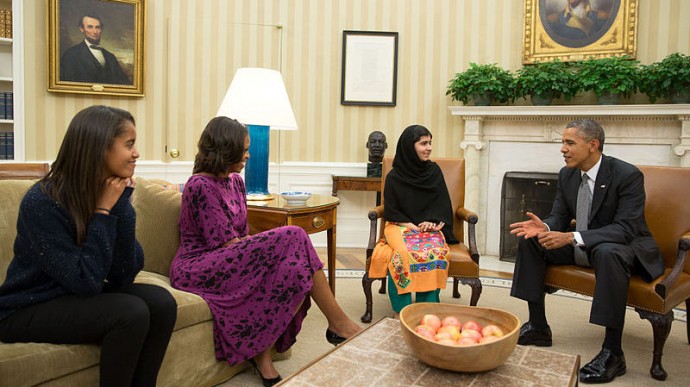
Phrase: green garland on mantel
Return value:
(484, 84)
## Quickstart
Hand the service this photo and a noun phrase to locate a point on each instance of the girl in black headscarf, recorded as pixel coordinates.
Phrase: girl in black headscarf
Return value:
(419, 223)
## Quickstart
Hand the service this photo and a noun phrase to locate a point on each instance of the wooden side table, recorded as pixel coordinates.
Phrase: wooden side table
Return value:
(319, 214)
(357, 183)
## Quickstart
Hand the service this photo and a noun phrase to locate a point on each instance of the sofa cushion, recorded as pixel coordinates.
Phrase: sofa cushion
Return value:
(191, 309)
(29, 364)
(11, 194)
(158, 210)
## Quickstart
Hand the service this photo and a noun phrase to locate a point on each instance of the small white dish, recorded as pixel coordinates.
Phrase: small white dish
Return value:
(295, 198)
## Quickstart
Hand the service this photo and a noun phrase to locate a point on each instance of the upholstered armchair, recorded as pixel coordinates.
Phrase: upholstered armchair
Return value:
(464, 258)
(668, 217)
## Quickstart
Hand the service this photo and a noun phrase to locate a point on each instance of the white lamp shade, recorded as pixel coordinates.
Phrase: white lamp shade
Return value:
(257, 96)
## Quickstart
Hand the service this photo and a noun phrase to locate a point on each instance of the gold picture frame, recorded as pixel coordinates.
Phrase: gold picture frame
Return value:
(555, 29)
(96, 47)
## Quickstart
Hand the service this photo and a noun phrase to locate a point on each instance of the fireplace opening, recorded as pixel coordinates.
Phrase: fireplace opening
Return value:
(523, 192)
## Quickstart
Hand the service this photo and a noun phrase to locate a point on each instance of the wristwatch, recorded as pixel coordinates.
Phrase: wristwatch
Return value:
(574, 241)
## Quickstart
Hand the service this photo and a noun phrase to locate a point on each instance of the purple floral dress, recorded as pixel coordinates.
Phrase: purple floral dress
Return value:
(254, 287)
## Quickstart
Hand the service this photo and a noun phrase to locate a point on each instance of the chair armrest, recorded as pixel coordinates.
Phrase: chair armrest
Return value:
(373, 215)
(466, 215)
(471, 218)
(683, 247)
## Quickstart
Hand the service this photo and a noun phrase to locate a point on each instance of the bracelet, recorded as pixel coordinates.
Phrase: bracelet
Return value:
(103, 209)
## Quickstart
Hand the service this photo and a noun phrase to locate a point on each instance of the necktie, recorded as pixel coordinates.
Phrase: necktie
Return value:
(584, 203)
(95, 47)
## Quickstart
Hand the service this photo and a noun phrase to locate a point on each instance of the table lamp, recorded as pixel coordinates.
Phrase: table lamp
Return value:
(257, 98)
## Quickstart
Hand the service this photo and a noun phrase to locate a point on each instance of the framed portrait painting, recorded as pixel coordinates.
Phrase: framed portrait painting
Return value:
(572, 30)
(370, 68)
(96, 47)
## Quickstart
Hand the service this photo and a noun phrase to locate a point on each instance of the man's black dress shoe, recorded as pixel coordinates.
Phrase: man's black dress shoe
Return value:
(603, 368)
(530, 335)
(333, 337)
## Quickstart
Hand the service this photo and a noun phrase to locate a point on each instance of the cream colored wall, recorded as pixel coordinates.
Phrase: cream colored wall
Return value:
(194, 47)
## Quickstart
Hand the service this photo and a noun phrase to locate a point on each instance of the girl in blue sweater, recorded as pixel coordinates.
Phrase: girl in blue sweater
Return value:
(76, 256)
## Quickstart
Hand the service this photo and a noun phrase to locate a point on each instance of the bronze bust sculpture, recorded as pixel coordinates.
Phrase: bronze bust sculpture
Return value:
(376, 143)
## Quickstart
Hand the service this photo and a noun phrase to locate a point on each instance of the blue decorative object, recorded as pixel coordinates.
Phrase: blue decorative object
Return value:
(256, 167)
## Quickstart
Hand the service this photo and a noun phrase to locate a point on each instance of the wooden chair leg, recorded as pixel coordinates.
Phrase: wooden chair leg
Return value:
(456, 291)
(476, 286)
(366, 286)
(661, 327)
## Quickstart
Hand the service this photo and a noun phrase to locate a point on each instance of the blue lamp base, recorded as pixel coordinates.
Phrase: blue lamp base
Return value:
(256, 168)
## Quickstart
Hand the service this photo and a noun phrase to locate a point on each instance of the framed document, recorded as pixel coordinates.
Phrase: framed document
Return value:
(370, 68)
(96, 46)
(572, 30)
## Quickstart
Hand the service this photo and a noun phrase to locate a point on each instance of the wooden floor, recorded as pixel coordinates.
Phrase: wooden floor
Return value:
(355, 259)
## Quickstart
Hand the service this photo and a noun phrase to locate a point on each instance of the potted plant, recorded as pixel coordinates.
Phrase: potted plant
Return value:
(482, 83)
(609, 78)
(669, 79)
(545, 81)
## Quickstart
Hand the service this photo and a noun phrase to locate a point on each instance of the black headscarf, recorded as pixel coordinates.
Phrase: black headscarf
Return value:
(415, 190)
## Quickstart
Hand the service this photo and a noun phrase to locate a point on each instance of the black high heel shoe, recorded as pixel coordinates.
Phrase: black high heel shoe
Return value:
(266, 382)
(333, 337)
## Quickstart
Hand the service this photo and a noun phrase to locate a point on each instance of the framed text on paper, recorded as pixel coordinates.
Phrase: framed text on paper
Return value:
(370, 68)
(96, 46)
(572, 30)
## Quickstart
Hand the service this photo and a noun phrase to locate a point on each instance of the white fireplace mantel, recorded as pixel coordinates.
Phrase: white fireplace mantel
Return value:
(499, 139)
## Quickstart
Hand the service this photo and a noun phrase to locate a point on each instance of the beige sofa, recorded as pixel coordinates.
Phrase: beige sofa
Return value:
(190, 359)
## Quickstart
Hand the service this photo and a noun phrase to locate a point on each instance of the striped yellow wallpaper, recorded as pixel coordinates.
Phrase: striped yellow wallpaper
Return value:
(193, 48)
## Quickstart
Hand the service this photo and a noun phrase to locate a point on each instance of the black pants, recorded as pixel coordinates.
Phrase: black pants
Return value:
(612, 264)
(133, 325)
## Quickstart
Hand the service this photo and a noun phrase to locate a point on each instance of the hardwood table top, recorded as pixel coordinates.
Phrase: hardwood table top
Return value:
(315, 202)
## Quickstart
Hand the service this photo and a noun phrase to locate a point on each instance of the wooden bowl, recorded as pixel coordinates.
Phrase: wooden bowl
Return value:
(472, 358)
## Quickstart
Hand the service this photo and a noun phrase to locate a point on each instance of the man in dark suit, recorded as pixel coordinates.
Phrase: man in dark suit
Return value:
(607, 197)
(88, 61)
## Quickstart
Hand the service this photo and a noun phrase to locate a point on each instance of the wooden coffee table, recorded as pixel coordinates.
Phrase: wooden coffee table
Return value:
(379, 356)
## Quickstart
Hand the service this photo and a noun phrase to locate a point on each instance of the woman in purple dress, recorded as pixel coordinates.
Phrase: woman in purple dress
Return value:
(257, 286)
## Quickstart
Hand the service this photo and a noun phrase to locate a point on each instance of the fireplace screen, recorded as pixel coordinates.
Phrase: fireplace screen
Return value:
(523, 192)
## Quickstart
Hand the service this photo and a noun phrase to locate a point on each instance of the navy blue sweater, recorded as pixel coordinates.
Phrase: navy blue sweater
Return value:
(48, 263)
